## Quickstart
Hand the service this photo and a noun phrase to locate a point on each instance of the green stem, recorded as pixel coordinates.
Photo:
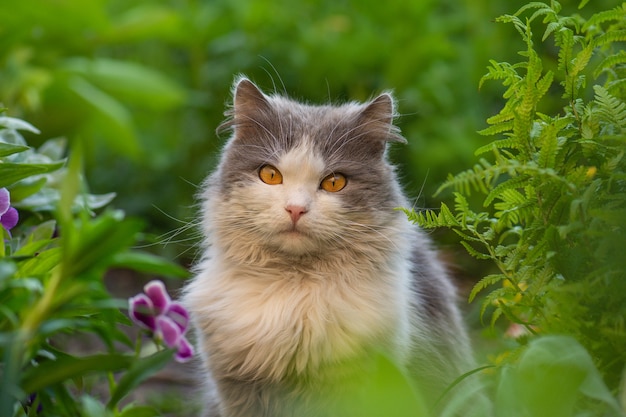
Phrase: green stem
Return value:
(44, 305)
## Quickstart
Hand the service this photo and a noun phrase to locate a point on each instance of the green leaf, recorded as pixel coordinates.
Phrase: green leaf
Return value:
(113, 113)
(552, 376)
(470, 249)
(93, 408)
(484, 283)
(149, 264)
(132, 410)
(96, 242)
(137, 373)
(11, 173)
(17, 124)
(129, 81)
(68, 367)
(25, 189)
(7, 149)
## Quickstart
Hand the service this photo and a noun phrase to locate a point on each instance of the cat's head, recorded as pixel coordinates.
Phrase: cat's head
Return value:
(298, 179)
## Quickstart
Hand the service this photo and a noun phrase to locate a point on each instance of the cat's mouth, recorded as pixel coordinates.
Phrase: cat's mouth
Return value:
(294, 231)
(295, 235)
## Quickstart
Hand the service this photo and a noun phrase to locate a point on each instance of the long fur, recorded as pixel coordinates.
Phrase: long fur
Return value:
(287, 322)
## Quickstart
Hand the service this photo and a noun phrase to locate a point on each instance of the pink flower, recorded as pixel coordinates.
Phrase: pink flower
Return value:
(165, 319)
(8, 214)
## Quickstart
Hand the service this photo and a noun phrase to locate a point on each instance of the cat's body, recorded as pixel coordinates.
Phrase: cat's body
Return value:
(308, 272)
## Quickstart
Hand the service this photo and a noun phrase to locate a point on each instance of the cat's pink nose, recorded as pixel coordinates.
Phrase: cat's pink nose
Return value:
(295, 212)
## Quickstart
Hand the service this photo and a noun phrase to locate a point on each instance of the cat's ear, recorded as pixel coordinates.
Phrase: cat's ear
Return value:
(376, 122)
(247, 98)
(249, 110)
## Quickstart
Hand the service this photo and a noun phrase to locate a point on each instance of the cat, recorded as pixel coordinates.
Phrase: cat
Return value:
(309, 273)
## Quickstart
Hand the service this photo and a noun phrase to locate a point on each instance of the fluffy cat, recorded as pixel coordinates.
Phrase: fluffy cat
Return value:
(308, 272)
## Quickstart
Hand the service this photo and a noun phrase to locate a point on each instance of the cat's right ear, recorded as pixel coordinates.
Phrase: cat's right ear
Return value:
(247, 97)
(249, 110)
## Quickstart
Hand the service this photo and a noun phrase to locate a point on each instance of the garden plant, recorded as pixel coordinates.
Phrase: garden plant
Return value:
(543, 209)
(54, 253)
(551, 215)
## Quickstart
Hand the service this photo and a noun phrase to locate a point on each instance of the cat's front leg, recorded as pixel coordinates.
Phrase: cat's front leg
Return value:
(238, 398)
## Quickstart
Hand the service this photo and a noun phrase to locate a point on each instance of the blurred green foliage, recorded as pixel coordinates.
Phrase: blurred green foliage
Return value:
(145, 82)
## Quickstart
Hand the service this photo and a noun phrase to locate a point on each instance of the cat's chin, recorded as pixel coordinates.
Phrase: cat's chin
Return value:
(296, 242)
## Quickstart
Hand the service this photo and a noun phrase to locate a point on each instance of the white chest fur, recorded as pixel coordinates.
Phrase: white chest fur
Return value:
(271, 322)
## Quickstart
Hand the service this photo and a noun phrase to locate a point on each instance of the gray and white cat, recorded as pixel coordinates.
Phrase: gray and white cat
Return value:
(308, 272)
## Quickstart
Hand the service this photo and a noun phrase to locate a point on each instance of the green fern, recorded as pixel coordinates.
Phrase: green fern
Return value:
(553, 186)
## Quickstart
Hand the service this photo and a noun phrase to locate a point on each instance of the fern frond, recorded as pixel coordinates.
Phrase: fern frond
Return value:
(543, 85)
(617, 85)
(508, 143)
(573, 81)
(484, 283)
(542, 9)
(499, 71)
(497, 128)
(430, 219)
(549, 146)
(565, 42)
(514, 209)
(479, 178)
(517, 23)
(473, 252)
(609, 37)
(610, 62)
(499, 190)
(495, 297)
(617, 14)
(505, 115)
(610, 108)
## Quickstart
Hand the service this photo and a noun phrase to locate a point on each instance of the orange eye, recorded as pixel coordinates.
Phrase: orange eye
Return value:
(334, 183)
(270, 175)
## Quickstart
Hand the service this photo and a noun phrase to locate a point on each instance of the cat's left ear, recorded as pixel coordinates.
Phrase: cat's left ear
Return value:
(377, 119)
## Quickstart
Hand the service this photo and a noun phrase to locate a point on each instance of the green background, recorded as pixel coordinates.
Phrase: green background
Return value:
(145, 83)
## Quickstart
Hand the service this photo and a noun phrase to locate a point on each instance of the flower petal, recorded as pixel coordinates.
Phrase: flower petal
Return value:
(158, 295)
(141, 311)
(179, 315)
(5, 200)
(9, 219)
(185, 351)
(168, 331)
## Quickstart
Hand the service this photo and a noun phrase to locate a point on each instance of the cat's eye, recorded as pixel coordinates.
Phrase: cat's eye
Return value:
(270, 175)
(334, 183)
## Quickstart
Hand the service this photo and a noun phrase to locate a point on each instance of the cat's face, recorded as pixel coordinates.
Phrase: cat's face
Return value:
(300, 179)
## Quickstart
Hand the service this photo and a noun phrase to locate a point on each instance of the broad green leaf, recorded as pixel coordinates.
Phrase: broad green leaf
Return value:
(11, 173)
(386, 391)
(65, 368)
(149, 264)
(7, 149)
(553, 375)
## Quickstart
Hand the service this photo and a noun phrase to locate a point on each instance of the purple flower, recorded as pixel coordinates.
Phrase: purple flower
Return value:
(165, 319)
(8, 214)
